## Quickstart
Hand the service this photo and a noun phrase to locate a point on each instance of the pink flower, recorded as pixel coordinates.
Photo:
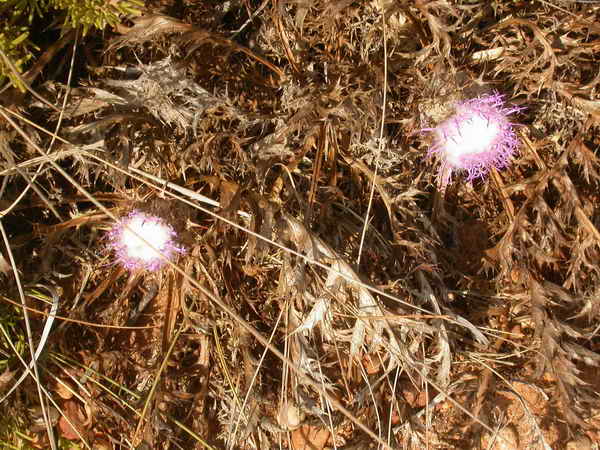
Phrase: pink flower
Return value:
(476, 138)
(132, 252)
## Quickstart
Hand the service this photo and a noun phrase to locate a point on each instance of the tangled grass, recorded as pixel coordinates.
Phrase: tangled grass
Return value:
(330, 295)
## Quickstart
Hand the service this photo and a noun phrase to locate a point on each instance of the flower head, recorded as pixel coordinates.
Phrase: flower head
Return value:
(132, 252)
(476, 138)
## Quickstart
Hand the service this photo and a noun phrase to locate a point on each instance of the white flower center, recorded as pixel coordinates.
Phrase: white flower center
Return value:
(469, 137)
(154, 232)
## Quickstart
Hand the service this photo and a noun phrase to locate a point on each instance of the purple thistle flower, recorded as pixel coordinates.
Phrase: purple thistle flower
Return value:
(476, 138)
(132, 252)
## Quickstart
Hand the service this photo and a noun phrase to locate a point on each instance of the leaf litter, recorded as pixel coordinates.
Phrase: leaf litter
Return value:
(252, 128)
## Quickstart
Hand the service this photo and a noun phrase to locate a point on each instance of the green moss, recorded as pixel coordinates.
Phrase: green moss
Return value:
(17, 17)
(14, 42)
(94, 13)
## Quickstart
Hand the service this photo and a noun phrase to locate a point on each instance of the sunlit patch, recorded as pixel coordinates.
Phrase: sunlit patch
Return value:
(140, 239)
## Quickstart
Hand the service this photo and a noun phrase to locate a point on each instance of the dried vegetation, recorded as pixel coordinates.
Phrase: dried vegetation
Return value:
(330, 296)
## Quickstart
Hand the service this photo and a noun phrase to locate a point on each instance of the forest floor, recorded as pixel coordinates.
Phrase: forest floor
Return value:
(327, 291)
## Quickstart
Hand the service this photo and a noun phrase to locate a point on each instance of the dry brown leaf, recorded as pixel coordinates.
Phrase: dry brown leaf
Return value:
(63, 390)
(72, 410)
(310, 438)
(5, 378)
(4, 265)
(290, 416)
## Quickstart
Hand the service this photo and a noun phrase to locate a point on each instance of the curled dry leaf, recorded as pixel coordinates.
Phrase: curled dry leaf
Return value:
(73, 430)
(5, 378)
(317, 314)
(290, 416)
(367, 307)
(64, 390)
(506, 439)
(310, 438)
(4, 265)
